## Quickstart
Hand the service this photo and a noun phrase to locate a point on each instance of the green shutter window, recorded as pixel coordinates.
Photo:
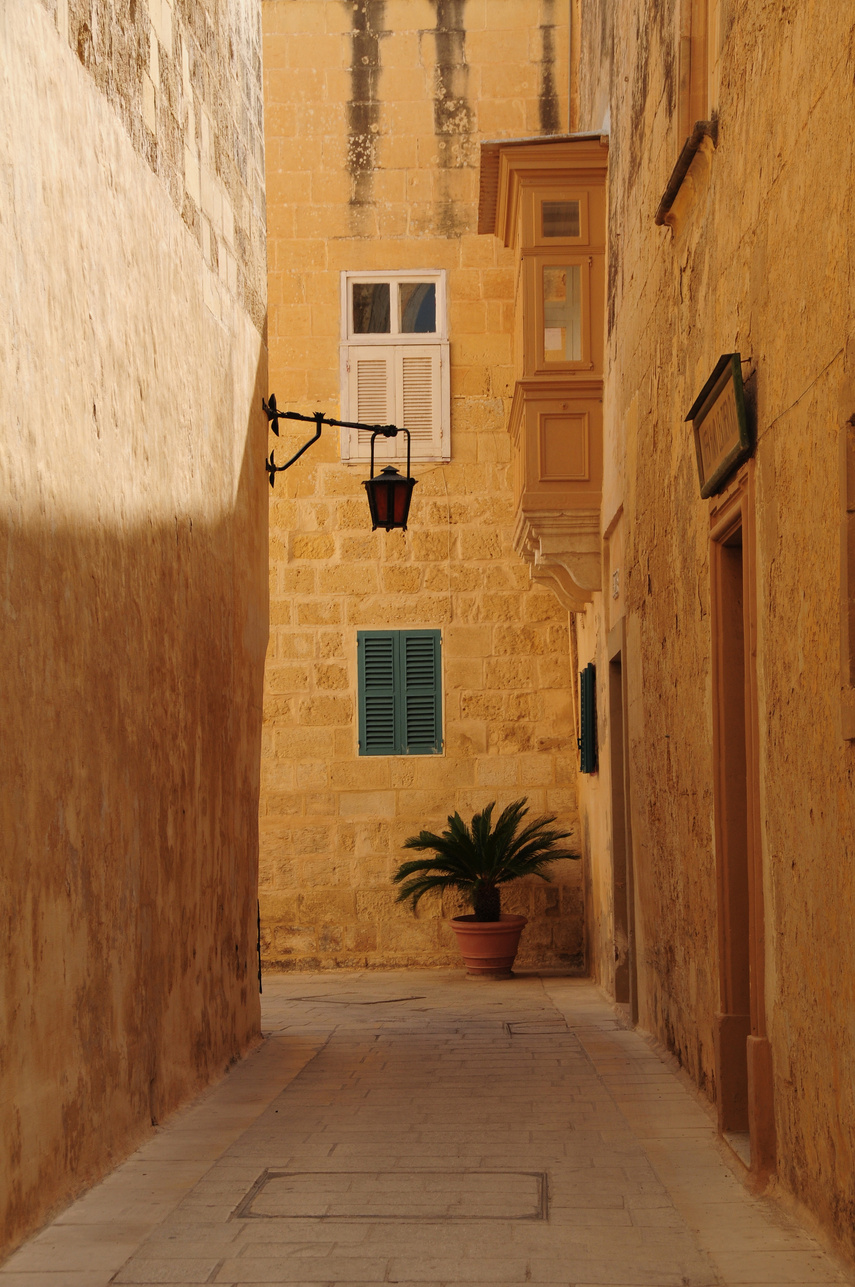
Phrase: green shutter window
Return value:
(399, 692)
(377, 693)
(588, 719)
(421, 712)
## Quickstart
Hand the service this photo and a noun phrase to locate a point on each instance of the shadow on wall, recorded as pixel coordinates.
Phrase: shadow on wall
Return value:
(131, 687)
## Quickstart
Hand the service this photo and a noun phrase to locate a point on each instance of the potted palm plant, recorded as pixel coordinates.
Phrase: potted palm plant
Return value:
(478, 859)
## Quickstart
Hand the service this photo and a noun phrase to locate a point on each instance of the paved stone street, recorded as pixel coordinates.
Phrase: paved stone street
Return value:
(420, 1127)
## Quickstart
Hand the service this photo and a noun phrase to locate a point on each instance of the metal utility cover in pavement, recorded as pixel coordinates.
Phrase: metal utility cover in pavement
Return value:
(396, 1195)
(553, 1028)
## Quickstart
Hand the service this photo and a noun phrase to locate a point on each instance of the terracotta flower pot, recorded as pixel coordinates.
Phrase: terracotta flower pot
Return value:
(488, 948)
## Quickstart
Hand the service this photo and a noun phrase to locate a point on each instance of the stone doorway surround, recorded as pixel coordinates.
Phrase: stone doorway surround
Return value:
(623, 884)
(743, 1051)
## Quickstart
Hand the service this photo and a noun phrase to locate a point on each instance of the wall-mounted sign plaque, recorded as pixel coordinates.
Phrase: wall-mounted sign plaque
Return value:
(718, 418)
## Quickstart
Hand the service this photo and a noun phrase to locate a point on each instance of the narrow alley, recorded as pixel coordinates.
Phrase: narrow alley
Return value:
(422, 1127)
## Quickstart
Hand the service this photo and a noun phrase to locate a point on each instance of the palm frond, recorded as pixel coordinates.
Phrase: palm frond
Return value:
(455, 849)
(436, 863)
(482, 853)
(414, 890)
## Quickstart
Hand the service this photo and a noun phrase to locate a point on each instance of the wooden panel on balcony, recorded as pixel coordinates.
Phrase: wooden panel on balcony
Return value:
(557, 436)
(550, 203)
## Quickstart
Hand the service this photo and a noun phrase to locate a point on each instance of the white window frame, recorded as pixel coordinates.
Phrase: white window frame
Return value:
(395, 345)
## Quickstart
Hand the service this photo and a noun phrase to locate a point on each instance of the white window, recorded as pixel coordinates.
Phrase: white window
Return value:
(394, 364)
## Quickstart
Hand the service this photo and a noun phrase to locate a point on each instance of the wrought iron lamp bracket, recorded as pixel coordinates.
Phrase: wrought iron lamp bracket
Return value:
(274, 415)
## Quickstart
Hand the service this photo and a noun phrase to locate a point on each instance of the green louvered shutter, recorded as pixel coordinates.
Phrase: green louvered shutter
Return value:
(376, 654)
(420, 710)
(400, 698)
(588, 719)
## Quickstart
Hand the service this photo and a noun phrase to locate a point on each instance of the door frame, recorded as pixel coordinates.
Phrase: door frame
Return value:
(733, 513)
(623, 882)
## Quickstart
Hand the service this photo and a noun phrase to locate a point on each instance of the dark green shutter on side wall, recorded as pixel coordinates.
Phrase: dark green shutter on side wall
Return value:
(400, 699)
(588, 719)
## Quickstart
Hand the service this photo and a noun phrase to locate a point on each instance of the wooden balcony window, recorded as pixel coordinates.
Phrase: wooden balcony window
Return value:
(557, 313)
(549, 203)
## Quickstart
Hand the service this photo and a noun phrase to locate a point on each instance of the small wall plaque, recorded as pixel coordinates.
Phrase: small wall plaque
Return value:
(722, 440)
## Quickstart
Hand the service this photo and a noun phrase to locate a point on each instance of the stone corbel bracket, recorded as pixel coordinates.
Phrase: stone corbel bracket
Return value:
(563, 550)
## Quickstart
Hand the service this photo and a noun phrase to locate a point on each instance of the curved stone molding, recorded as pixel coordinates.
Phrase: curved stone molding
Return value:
(563, 550)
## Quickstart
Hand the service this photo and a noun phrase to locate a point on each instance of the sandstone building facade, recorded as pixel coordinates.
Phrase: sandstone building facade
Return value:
(374, 115)
(133, 537)
(698, 644)
(611, 294)
(717, 807)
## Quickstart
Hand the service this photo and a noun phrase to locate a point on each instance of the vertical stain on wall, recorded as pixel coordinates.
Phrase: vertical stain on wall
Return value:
(453, 118)
(453, 115)
(547, 91)
(363, 109)
(668, 53)
(613, 269)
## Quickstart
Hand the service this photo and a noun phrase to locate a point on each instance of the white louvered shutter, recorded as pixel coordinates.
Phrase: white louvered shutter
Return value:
(371, 397)
(418, 398)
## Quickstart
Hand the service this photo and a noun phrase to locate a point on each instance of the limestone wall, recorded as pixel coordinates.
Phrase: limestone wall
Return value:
(374, 113)
(133, 537)
(758, 261)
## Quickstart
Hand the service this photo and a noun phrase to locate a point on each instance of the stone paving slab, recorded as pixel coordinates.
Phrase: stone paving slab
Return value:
(421, 1128)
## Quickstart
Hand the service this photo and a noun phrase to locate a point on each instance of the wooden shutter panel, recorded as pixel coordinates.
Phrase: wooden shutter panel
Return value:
(400, 692)
(418, 397)
(371, 388)
(401, 384)
(420, 714)
(588, 719)
(376, 656)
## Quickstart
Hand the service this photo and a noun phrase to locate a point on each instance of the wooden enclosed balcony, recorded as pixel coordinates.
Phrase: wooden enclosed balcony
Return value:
(546, 199)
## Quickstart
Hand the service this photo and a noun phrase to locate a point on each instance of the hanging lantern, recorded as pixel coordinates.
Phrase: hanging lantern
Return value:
(389, 494)
(389, 497)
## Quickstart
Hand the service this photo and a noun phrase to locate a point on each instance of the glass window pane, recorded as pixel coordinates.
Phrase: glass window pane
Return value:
(418, 308)
(560, 218)
(562, 313)
(370, 308)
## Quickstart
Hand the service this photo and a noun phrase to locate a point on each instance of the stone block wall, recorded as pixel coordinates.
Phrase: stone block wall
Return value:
(184, 78)
(374, 115)
(133, 541)
(750, 264)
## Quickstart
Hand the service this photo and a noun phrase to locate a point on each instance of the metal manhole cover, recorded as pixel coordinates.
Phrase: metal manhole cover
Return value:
(345, 1000)
(396, 1195)
(553, 1028)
